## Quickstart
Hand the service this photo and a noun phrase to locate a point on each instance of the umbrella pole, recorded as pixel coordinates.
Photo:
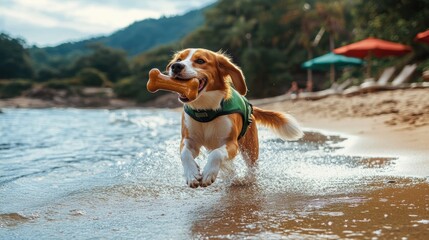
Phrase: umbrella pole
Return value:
(368, 70)
(332, 74)
(309, 84)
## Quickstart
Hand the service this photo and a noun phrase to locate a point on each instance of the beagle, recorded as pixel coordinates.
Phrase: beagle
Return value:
(220, 119)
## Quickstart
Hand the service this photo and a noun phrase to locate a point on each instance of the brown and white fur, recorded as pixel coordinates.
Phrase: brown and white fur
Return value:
(216, 73)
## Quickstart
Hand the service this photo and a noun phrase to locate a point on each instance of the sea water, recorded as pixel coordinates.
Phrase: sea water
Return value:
(109, 174)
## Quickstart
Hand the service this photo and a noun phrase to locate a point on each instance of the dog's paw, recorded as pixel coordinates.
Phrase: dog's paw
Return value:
(209, 175)
(193, 176)
(193, 181)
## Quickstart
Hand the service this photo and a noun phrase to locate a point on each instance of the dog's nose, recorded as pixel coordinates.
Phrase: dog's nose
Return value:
(177, 67)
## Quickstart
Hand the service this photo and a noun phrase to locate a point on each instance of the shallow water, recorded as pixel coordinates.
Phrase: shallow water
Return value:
(68, 173)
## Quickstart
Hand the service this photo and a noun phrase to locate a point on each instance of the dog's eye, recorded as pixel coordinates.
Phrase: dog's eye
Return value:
(200, 61)
(178, 60)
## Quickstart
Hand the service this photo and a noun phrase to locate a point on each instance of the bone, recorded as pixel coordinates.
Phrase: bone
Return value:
(158, 81)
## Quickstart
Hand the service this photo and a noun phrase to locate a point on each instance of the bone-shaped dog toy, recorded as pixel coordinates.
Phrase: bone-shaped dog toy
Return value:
(158, 81)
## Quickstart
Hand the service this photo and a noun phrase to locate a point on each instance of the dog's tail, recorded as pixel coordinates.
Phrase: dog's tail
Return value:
(285, 125)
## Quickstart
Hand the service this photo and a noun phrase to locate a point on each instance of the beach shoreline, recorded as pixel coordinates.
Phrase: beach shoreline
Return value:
(392, 124)
(363, 173)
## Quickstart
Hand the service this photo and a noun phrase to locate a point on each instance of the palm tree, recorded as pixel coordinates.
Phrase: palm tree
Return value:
(332, 18)
(309, 23)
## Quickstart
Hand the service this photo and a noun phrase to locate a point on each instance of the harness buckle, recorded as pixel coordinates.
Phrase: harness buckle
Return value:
(201, 115)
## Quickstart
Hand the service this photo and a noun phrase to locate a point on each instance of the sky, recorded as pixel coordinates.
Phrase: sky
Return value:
(51, 22)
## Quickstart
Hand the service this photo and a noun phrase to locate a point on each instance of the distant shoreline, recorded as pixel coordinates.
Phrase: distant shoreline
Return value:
(26, 102)
(165, 101)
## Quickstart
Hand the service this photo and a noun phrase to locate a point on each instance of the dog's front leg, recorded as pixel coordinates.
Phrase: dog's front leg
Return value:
(190, 167)
(214, 161)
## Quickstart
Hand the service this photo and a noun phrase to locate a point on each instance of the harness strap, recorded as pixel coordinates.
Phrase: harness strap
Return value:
(235, 104)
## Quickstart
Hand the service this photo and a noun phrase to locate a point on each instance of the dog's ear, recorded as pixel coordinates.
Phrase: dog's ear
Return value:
(167, 68)
(226, 67)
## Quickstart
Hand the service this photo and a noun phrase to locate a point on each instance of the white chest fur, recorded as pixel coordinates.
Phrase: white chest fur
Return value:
(212, 134)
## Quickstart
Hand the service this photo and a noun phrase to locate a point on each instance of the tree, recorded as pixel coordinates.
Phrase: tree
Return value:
(270, 39)
(310, 23)
(396, 21)
(92, 77)
(135, 86)
(112, 62)
(14, 58)
(332, 18)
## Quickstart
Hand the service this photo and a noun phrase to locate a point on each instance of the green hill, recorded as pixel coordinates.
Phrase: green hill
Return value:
(139, 36)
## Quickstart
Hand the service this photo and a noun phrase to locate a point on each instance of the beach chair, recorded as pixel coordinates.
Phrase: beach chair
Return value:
(397, 83)
(400, 81)
(403, 76)
(341, 87)
(425, 83)
(370, 83)
(382, 80)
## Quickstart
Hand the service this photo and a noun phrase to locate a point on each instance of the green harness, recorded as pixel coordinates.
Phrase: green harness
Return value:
(235, 104)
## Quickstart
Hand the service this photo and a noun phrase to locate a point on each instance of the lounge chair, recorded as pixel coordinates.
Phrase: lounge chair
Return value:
(403, 76)
(369, 84)
(419, 85)
(383, 83)
(382, 80)
(401, 80)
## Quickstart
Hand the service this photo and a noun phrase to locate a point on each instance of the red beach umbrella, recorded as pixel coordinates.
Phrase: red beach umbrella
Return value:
(373, 47)
(422, 37)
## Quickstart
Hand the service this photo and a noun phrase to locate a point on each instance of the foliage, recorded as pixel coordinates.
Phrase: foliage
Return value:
(47, 73)
(14, 59)
(155, 58)
(397, 21)
(135, 86)
(268, 39)
(92, 77)
(13, 88)
(112, 62)
(48, 66)
(63, 84)
(265, 38)
(126, 88)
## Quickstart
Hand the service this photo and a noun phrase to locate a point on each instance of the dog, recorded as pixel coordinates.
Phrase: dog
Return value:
(213, 122)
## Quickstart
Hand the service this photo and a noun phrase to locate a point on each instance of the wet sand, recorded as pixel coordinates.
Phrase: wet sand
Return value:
(386, 127)
(397, 209)
(382, 206)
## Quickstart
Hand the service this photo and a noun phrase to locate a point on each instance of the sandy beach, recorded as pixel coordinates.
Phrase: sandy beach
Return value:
(381, 124)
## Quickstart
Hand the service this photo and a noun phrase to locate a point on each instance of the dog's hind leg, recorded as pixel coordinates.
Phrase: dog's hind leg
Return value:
(249, 148)
(249, 145)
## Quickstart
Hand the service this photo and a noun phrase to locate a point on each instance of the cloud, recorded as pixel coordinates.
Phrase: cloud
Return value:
(83, 17)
